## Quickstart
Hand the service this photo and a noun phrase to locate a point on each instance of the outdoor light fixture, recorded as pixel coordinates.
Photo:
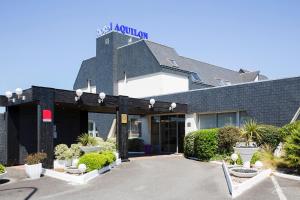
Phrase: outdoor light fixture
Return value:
(19, 93)
(102, 96)
(152, 102)
(234, 158)
(79, 93)
(173, 106)
(9, 95)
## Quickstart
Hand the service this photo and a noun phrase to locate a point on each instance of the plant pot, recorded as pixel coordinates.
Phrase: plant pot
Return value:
(33, 171)
(87, 149)
(116, 154)
(246, 154)
(62, 164)
(3, 175)
(75, 162)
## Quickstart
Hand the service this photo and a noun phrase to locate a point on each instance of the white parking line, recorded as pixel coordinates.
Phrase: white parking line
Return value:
(278, 189)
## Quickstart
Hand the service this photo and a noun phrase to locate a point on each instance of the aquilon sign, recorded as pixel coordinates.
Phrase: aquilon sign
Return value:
(122, 29)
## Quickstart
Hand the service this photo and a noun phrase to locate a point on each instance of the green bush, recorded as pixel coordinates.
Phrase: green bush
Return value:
(75, 150)
(135, 145)
(286, 130)
(292, 148)
(2, 169)
(110, 157)
(227, 137)
(189, 140)
(269, 135)
(93, 161)
(206, 144)
(256, 156)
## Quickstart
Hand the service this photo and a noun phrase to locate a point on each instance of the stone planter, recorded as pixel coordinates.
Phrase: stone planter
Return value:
(246, 154)
(243, 172)
(75, 162)
(3, 175)
(33, 171)
(88, 149)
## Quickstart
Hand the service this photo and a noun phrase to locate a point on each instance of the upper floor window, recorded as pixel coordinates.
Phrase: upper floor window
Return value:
(173, 62)
(107, 41)
(195, 77)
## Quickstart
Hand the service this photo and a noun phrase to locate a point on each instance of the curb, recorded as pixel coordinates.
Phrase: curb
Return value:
(287, 176)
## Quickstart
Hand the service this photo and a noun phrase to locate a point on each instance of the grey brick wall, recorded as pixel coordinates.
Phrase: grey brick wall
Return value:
(271, 102)
(3, 139)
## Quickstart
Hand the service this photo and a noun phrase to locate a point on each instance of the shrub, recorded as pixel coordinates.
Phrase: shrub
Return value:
(292, 149)
(136, 144)
(269, 135)
(256, 156)
(206, 144)
(227, 137)
(93, 161)
(86, 139)
(286, 130)
(35, 158)
(2, 169)
(107, 145)
(75, 149)
(62, 152)
(112, 140)
(110, 157)
(189, 141)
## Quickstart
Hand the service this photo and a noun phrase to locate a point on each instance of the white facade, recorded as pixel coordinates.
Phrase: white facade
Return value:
(153, 85)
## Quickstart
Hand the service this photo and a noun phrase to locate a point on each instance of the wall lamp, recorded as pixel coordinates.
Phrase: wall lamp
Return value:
(172, 107)
(152, 102)
(102, 96)
(79, 93)
(19, 93)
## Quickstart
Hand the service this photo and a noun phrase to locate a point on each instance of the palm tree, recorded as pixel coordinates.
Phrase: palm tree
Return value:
(251, 130)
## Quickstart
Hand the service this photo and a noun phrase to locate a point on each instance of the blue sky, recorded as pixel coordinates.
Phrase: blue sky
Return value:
(44, 42)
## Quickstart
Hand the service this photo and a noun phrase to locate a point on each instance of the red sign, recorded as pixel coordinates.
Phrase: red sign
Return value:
(47, 116)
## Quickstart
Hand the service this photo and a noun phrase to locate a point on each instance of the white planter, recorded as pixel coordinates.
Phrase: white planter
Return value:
(117, 155)
(75, 162)
(246, 154)
(33, 171)
(3, 175)
(62, 164)
(88, 149)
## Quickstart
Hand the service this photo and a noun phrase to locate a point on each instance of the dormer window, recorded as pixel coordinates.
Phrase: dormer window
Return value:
(222, 82)
(195, 77)
(173, 62)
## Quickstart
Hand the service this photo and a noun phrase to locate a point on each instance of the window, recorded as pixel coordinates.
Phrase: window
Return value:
(227, 83)
(195, 77)
(135, 128)
(208, 121)
(92, 129)
(226, 119)
(107, 41)
(244, 117)
(217, 120)
(173, 62)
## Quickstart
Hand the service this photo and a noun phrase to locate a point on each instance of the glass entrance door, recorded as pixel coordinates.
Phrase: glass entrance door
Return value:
(167, 133)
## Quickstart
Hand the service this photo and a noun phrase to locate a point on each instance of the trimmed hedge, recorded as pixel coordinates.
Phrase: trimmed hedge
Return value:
(93, 161)
(2, 169)
(227, 137)
(206, 144)
(189, 141)
(292, 149)
(269, 135)
(110, 157)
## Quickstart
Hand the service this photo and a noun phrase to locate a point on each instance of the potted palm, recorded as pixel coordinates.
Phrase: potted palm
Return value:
(33, 166)
(63, 156)
(247, 148)
(88, 143)
(3, 171)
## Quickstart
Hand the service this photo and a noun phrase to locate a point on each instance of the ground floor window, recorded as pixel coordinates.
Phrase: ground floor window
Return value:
(135, 127)
(92, 128)
(218, 120)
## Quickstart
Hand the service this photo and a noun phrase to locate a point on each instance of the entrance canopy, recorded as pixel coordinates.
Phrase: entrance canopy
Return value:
(34, 117)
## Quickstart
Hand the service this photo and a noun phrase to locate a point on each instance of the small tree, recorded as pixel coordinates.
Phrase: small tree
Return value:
(292, 149)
